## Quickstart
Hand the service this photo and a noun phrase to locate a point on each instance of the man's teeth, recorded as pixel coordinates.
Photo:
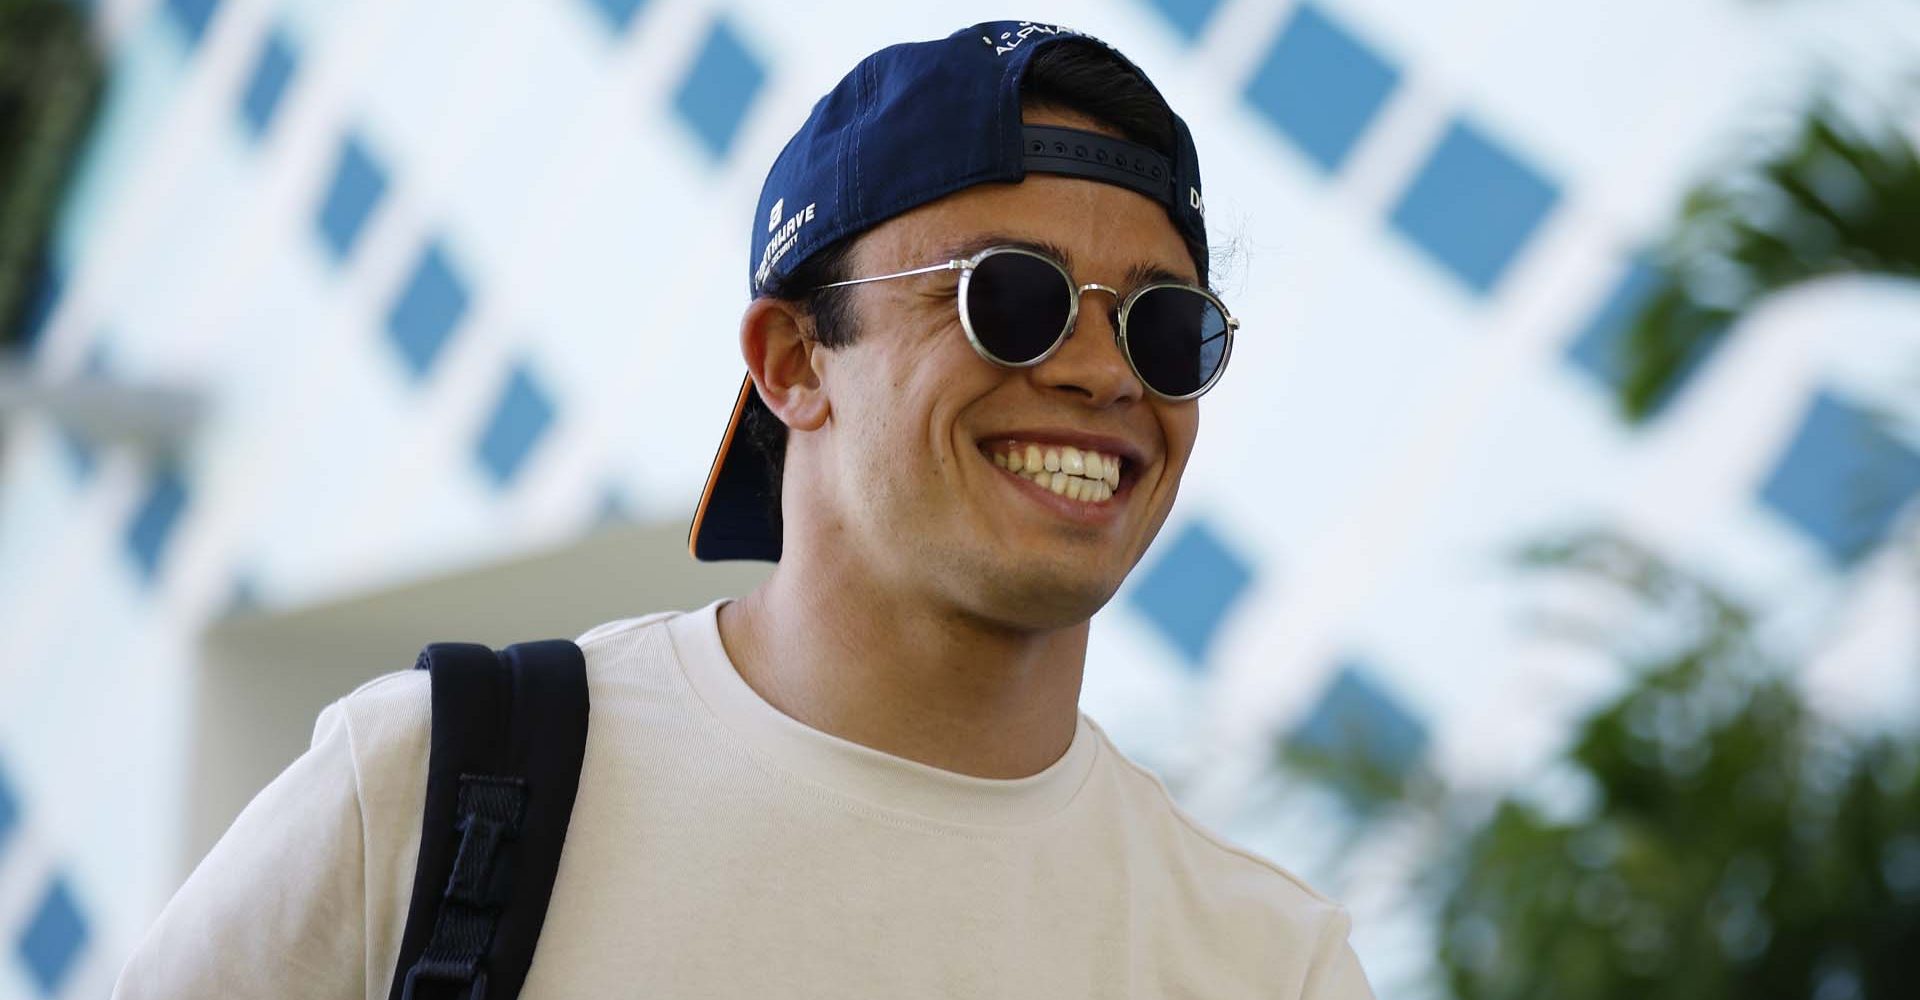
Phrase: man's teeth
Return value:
(1071, 472)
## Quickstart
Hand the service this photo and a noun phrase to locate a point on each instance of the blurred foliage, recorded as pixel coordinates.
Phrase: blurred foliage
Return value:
(1722, 841)
(1832, 195)
(1706, 833)
(49, 82)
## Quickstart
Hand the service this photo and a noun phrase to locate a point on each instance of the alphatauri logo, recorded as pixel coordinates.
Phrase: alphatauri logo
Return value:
(1010, 40)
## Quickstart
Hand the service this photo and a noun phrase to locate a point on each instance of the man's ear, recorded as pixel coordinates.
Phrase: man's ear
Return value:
(776, 339)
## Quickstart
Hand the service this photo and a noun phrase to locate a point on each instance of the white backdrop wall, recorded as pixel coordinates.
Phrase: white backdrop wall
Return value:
(460, 281)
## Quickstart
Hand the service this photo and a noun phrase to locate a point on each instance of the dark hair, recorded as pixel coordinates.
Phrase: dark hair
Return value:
(1074, 75)
(1084, 77)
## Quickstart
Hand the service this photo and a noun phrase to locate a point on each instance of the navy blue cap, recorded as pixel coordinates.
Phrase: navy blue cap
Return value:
(910, 124)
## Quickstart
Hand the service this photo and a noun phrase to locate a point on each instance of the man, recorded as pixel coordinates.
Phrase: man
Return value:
(978, 334)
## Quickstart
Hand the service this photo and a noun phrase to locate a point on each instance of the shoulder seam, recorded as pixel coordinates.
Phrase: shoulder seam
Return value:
(1334, 932)
(360, 818)
(1209, 836)
(353, 761)
(600, 633)
(374, 682)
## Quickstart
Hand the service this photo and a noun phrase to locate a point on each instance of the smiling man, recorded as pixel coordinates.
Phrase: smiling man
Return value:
(979, 332)
(973, 386)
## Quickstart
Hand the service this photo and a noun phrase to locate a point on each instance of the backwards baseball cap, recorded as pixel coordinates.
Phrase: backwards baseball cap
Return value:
(910, 124)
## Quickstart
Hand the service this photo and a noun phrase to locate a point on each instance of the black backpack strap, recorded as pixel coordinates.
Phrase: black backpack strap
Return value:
(509, 733)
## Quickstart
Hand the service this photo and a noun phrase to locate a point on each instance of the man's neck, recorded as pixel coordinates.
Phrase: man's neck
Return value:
(906, 679)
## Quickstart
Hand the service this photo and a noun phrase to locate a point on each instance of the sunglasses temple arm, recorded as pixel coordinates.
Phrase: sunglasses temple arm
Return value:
(929, 269)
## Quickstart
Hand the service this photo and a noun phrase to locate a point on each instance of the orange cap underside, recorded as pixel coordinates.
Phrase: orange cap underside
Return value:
(719, 460)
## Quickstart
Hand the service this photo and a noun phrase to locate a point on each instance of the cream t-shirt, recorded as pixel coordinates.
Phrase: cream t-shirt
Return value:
(719, 848)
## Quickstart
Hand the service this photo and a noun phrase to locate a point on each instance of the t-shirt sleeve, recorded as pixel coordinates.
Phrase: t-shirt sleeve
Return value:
(276, 909)
(1336, 973)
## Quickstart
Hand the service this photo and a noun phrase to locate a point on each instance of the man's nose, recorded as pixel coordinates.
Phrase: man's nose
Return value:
(1090, 363)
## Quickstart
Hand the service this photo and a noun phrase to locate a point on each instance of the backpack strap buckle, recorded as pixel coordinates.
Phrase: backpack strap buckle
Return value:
(476, 986)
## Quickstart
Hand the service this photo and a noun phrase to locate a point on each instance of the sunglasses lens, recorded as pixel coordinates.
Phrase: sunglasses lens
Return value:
(1017, 306)
(1178, 339)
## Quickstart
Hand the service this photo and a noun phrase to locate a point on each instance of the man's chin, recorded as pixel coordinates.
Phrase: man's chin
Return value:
(1043, 597)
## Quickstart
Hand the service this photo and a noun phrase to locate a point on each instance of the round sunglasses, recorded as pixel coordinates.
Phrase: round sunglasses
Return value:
(1018, 306)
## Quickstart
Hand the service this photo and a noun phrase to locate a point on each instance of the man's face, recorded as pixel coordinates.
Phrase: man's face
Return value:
(905, 460)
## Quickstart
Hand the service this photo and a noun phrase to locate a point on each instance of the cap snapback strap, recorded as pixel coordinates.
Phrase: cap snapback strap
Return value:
(1093, 155)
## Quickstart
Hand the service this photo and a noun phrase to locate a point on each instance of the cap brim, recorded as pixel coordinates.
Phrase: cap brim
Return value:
(735, 517)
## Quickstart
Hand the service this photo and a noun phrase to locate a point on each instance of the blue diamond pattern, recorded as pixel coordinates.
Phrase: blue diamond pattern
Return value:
(613, 508)
(53, 939)
(81, 454)
(1188, 17)
(44, 287)
(618, 13)
(1321, 86)
(1189, 589)
(1843, 479)
(717, 92)
(520, 419)
(267, 84)
(9, 814)
(82, 459)
(1358, 719)
(244, 597)
(1473, 206)
(429, 307)
(192, 16)
(1600, 347)
(358, 184)
(154, 522)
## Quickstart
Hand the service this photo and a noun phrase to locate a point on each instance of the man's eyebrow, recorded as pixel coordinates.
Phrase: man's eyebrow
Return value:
(1146, 274)
(1140, 273)
(980, 241)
